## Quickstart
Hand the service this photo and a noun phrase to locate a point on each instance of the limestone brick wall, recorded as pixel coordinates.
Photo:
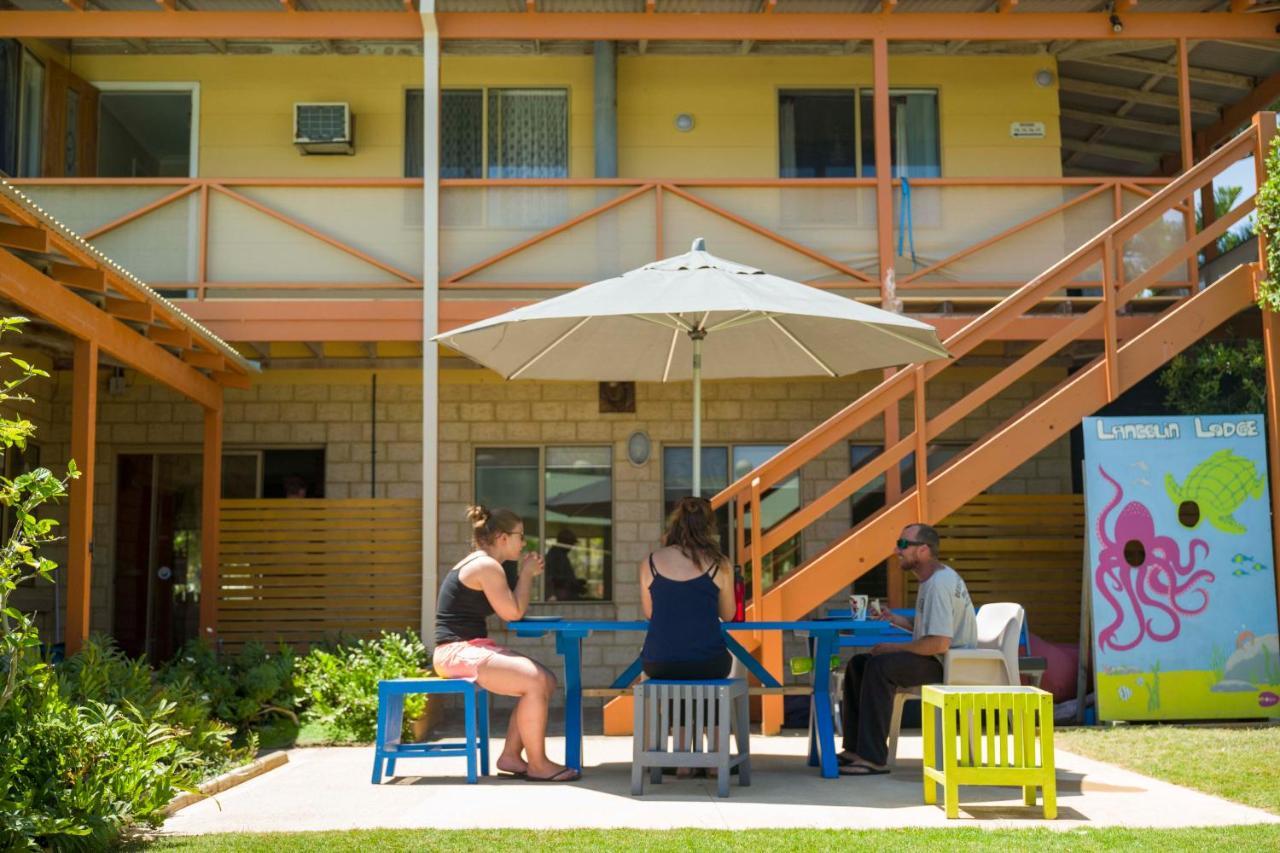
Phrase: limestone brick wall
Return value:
(476, 410)
(329, 409)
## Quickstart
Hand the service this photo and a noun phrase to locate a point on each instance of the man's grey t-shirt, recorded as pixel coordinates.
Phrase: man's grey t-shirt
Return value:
(944, 609)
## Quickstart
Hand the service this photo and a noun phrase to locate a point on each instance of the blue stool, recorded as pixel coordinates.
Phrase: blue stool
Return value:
(388, 747)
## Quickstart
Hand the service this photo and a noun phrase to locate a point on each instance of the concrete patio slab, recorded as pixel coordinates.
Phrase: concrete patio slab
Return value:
(329, 789)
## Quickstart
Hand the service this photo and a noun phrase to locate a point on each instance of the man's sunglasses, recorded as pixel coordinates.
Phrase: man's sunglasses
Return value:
(907, 543)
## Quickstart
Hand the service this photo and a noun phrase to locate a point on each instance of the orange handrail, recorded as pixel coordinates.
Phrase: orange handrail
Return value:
(1104, 249)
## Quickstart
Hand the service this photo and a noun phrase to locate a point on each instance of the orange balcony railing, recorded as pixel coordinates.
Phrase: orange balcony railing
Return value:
(961, 238)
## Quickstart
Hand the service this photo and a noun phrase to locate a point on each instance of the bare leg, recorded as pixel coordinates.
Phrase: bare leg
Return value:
(512, 758)
(516, 675)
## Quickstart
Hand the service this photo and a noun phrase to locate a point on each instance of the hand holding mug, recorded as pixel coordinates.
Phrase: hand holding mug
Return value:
(531, 563)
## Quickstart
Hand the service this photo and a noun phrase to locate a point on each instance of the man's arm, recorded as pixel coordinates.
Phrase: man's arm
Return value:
(926, 646)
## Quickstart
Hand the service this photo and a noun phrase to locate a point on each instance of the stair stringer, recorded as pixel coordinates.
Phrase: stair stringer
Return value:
(998, 453)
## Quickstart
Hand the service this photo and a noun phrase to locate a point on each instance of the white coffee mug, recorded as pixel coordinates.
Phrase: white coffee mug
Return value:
(858, 607)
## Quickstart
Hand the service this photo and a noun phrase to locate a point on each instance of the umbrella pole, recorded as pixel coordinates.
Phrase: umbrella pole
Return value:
(697, 335)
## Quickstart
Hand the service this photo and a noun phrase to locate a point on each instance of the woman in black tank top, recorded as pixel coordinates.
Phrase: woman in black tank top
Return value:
(472, 590)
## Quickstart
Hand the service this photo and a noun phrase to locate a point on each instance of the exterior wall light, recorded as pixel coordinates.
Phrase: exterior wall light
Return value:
(684, 122)
(638, 448)
(1044, 78)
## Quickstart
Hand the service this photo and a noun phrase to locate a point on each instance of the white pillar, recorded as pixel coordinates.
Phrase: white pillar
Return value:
(430, 314)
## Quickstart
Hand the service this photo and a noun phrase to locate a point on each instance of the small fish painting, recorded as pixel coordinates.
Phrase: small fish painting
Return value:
(1242, 558)
(1240, 573)
(1125, 693)
(1266, 699)
(1246, 566)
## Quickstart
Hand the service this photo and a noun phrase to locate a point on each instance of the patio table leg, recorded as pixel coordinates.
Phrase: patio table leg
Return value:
(570, 648)
(823, 732)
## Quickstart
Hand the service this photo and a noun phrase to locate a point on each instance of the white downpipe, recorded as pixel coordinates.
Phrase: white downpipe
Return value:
(430, 314)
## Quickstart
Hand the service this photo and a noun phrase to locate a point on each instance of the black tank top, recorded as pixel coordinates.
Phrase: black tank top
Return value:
(461, 610)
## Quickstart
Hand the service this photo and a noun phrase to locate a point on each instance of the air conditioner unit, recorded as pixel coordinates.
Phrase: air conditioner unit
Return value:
(324, 128)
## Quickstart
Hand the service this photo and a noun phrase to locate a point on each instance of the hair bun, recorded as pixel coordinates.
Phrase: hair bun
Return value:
(477, 515)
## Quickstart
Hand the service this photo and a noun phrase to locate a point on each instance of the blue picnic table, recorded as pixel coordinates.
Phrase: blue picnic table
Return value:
(826, 637)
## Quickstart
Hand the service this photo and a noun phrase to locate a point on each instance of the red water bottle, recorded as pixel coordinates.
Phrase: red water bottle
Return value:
(739, 595)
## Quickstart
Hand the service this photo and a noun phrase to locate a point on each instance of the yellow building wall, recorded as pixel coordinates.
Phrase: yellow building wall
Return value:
(734, 102)
(246, 108)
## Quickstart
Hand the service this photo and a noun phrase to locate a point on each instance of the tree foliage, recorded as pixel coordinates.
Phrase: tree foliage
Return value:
(1216, 377)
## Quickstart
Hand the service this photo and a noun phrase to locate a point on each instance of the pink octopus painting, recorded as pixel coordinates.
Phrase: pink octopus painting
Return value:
(1142, 577)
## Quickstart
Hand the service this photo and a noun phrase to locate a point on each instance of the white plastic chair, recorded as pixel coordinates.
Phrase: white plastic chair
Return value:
(994, 661)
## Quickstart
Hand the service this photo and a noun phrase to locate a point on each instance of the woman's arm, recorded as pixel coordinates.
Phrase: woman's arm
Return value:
(508, 604)
(646, 601)
(724, 580)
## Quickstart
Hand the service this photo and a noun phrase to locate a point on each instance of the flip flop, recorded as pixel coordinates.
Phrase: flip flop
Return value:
(858, 769)
(512, 774)
(843, 761)
(573, 776)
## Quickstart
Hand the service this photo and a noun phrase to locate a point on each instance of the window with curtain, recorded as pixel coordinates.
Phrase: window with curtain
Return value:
(30, 117)
(817, 134)
(777, 502)
(913, 133)
(565, 497)
(528, 133)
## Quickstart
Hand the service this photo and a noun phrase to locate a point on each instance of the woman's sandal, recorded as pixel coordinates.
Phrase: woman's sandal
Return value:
(573, 776)
(857, 768)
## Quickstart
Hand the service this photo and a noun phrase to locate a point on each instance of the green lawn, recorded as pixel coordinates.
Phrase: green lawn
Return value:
(1234, 763)
(756, 841)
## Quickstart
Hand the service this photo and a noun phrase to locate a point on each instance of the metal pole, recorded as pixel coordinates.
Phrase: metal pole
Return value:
(696, 336)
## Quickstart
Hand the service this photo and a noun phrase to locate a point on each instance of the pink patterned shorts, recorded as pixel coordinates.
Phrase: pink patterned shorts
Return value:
(463, 659)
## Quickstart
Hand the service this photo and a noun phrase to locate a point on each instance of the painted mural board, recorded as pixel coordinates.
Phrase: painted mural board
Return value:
(1180, 570)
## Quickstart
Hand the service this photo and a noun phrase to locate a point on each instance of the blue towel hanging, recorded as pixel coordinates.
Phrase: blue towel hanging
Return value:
(905, 230)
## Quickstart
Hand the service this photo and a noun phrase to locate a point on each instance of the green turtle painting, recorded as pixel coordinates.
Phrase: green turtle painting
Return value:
(1214, 490)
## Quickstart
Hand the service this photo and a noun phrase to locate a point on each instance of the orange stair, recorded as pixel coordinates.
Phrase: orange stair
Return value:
(1120, 365)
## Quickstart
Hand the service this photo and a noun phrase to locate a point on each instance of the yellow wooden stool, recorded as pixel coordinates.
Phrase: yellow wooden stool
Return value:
(990, 736)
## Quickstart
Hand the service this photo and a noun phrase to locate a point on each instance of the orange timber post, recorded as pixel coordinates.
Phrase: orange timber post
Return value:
(84, 421)
(210, 524)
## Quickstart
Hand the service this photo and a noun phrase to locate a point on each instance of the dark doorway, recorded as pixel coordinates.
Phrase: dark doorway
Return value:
(157, 557)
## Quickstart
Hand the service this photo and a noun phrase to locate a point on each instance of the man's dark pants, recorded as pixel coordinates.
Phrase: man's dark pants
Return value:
(869, 684)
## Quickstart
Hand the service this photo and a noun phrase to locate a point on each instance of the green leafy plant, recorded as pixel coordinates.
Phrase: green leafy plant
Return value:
(1268, 203)
(1224, 199)
(242, 689)
(340, 684)
(20, 560)
(1216, 377)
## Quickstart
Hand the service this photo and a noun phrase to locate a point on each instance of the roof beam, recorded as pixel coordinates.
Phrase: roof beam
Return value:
(39, 294)
(1123, 6)
(1242, 5)
(205, 360)
(1108, 120)
(1263, 95)
(179, 338)
(1150, 66)
(397, 26)
(167, 5)
(26, 237)
(1121, 93)
(1007, 6)
(130, 309)
(1117, 152)
(78, 277)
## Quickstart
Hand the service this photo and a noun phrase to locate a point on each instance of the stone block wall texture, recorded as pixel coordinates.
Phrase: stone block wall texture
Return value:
(333, 410)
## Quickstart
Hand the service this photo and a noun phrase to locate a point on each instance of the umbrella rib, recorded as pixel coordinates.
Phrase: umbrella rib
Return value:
(743, 319)
(671, 351)
(804, 349)
(531, 362)
(940, 351)
(680, 323)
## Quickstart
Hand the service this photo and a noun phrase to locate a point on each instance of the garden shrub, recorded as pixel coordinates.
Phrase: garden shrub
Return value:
(242, 689)
(340, 684)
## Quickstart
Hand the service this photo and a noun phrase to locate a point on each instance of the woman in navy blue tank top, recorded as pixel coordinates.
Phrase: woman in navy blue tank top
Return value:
(686, 589)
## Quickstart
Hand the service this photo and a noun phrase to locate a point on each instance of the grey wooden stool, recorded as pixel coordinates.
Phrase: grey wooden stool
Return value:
(688, 724)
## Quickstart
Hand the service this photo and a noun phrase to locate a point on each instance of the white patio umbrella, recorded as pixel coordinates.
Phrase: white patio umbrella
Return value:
(693, 316)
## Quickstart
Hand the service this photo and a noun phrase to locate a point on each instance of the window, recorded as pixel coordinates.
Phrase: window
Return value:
(30, 117)
(817, 135)
(777, 502)
(285, 473)
(831, 134)
(565, 496)
(147, 132)
(495, 133)
(913, 134)
(870, 499)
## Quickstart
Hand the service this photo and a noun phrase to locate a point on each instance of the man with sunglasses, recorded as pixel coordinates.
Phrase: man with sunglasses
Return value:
(944, 619)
